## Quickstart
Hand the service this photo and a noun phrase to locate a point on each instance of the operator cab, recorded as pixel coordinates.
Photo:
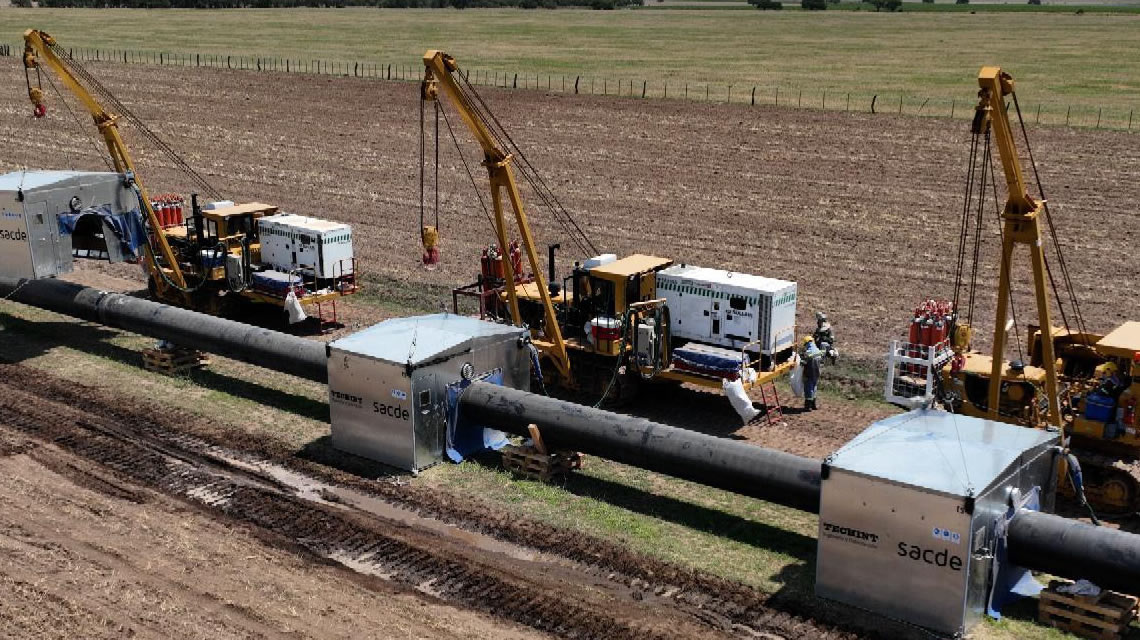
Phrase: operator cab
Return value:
(604, 289)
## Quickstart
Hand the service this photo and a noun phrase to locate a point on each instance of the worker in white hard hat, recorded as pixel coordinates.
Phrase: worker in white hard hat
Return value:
(810, 357)
(824, 337)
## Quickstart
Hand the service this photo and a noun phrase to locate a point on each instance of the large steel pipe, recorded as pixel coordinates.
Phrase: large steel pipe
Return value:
(261, 347)
(1072, 549)
(742, 468)
(1039, 541)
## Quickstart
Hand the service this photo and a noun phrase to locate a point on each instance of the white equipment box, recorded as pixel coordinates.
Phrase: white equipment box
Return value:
(31, 245)
(388, 383)
(290, 241)
(729, 309)
(912, 510)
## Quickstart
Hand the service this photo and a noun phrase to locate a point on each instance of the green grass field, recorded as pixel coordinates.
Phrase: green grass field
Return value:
(1087, 61)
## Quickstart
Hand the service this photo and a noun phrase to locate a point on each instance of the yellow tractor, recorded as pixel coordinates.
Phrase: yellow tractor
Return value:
(1065, 378)
(217, 256)
(612, 323)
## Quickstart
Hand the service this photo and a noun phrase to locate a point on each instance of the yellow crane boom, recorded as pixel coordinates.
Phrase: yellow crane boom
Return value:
(439, 68)
(39, 53)
(1021, 225)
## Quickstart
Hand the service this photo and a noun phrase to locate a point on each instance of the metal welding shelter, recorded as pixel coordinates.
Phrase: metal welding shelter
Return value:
(388, 383)
(913, 513)
(39, 211)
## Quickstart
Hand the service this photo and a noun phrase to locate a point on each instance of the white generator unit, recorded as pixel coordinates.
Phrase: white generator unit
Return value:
(913, 512)
(290, 241)
(31, 243)
(388, 383)
(729, 309)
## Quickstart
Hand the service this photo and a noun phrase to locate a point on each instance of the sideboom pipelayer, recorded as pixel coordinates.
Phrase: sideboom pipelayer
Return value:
(223, 254)
(613, 323)
(1066, 378)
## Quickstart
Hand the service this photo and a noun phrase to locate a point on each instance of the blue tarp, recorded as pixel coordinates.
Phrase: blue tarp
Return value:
(707, 359)
(128, 226)
(463, 437)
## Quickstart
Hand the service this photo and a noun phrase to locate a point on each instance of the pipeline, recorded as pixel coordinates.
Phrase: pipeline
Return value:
(1038, 541)
(1072, 549)
(253, 345)
(732, 465)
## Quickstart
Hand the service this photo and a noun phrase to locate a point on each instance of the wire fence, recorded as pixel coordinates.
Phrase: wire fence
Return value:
(1072, 115)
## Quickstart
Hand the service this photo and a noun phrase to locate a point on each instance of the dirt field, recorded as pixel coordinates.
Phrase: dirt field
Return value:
(138, 487)
(862, 211)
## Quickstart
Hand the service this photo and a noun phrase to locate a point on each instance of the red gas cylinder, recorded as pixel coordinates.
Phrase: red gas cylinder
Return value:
(516, 259)
(938, 330)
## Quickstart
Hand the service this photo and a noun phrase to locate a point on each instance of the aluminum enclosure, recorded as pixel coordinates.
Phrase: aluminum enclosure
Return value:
(912, 511)
(31, 245)
(388, 383)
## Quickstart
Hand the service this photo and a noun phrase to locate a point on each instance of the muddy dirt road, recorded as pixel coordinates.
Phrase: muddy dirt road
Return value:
(134, 469)
(861, 210)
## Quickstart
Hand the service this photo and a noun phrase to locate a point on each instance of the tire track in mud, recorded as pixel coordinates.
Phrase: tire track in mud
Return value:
(616, 601)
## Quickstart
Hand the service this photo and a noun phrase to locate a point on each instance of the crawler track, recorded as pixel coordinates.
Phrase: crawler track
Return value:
(555, 594)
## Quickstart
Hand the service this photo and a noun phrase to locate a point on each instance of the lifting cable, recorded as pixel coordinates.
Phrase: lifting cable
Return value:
(84, 132)
(529, 172)
(1068, 282)
(983, 160)
(121, 109)
(467, 168)
(963, 230)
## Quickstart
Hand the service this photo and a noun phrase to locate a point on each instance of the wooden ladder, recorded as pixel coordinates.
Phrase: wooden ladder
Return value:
(773, 411)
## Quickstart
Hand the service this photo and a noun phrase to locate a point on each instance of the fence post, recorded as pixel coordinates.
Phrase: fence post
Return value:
(605, 86)
(754, 96)
(515, 82)
(1098, 118)
(954, 103)
(900, 104)
(777, 96)
(228, 62)
(644, 85)
(576, 79)
(666, 90)
(1068, 110)
(1038, 114)
(800, 99)
(874, 99)
(730, 94)
(686, 90)
(848, 101)
(825, 99)
(1130, 119)
(706, 93)
(124, 57)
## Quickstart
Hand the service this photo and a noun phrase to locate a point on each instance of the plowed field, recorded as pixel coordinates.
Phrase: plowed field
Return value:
(861, 210)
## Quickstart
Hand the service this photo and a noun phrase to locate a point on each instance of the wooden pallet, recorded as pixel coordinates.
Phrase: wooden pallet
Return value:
(528, 462)
(1103, 617)
(173, 361)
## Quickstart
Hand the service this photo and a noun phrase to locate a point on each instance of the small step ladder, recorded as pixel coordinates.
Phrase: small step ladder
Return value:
(773, 411)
